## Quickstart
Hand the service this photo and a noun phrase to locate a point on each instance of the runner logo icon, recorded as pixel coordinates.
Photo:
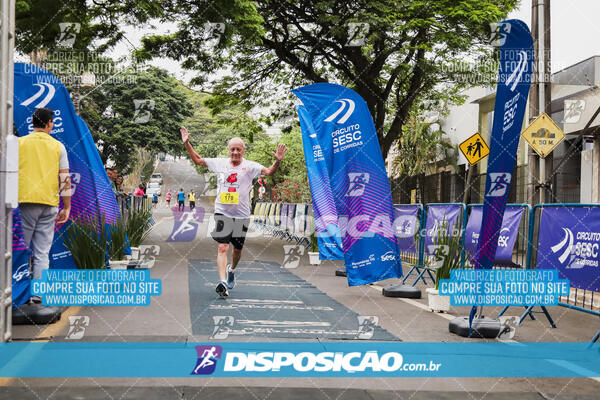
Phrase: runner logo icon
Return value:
(366, 326)
(568, 241)
(223, 326)
(77, 325)
(499, 33)
(292, 254)
(500, 182)
(357, 183)
(349, 112)
(44, 102)
(207, 359)
(573, 110)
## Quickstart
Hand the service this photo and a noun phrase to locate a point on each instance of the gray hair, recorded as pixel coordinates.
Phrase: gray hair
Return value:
(236, 139)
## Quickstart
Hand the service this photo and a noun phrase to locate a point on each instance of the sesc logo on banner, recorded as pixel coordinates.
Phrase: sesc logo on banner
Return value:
(569, 241)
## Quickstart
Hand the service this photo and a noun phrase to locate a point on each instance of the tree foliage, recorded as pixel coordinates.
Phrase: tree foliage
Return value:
(267, 47)
(118, 127)
(424, 147)
(37, 22)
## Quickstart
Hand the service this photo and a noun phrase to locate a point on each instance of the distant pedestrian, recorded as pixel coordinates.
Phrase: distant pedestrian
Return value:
(192, 199)
(154, 200)
(181, 200)
(168, 198)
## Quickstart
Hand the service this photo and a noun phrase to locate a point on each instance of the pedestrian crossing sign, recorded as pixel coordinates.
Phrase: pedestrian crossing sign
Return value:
(543, 135)
(474, 149)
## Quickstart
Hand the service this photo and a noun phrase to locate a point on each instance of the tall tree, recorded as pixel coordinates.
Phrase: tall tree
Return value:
(394, 53)
(144, 112)
(101, 22)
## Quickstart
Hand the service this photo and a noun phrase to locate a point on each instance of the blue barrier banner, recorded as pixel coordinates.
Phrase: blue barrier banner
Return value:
(21, 278)
(345, 133)
(436, 215)
(91, 189)
(514, 80)
(506, 239)
(326, 218)
(569, 241)
(405, 226)
(298, 359)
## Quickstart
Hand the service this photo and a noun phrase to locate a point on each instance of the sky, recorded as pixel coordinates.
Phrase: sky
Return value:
(574, 36)
(574, 29)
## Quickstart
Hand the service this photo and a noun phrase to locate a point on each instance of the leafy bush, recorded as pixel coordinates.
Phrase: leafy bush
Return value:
(137, 226)
(448, 252)
(314, 243)
(292, 190)
(118, 240)
(87, 239)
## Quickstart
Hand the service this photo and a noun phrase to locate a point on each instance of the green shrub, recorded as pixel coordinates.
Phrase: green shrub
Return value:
(314, 243)
(87, 239)
(449, 249)
(137, 226)
(118, 240)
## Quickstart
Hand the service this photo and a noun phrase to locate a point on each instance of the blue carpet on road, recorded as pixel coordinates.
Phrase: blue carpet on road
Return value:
(269, 301)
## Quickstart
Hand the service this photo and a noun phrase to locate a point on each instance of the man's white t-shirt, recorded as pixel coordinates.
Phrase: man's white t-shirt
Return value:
(233, 180)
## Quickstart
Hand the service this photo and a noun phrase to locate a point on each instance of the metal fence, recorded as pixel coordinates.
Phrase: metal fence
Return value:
(449, 187)
(133, 203)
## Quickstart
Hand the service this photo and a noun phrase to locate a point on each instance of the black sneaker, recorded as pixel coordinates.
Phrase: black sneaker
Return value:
(230, 277)
(222, 289)
(35, 300)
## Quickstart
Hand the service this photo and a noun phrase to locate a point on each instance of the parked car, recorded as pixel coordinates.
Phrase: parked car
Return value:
(157, 177)
(153, 187)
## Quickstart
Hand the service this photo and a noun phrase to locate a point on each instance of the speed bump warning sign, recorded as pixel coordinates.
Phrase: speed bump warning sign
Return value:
(543, 135)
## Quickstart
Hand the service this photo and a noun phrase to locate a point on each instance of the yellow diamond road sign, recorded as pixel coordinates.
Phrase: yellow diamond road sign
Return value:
(474, 149)
(543, 135)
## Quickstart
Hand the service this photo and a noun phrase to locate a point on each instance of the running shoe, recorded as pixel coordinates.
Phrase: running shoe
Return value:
(222, 289)
(230, 277)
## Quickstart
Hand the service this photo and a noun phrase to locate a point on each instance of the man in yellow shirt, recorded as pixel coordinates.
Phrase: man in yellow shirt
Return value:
(43, 173)
(192, 199)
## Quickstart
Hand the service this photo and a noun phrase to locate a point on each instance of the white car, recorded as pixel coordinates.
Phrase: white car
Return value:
(153, 187)
(157, 177)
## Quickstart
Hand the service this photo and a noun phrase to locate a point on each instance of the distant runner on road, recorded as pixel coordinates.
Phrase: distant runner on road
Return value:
(232, 205)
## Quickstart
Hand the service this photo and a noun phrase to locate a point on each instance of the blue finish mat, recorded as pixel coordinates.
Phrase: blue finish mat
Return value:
(269, 301)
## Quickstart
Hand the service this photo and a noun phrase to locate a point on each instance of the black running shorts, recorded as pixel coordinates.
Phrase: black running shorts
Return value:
(230, 230)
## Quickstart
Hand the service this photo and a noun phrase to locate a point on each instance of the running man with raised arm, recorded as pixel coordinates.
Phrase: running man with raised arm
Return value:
(232, 205)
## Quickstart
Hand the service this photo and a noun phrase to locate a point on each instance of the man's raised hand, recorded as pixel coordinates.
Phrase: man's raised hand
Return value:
(281, 149)
(185, 135)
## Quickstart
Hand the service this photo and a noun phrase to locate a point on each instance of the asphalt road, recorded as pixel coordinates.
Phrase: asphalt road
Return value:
(275, 304)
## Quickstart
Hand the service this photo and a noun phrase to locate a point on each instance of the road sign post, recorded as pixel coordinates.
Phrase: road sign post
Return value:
(474, 149)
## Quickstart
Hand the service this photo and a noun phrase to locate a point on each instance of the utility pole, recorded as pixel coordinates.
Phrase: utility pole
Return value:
(540, 98)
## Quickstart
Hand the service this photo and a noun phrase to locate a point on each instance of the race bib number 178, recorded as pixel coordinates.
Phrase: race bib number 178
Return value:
(229, 198)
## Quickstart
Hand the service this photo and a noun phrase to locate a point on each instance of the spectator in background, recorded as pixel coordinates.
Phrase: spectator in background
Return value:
(139, 191)
(192, 199)
(43, 179)
(181, 200)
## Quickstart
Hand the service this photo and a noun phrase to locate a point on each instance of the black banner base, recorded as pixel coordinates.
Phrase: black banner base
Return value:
(482, 328)
(340, 272)
(400, 290)
(35, 314)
